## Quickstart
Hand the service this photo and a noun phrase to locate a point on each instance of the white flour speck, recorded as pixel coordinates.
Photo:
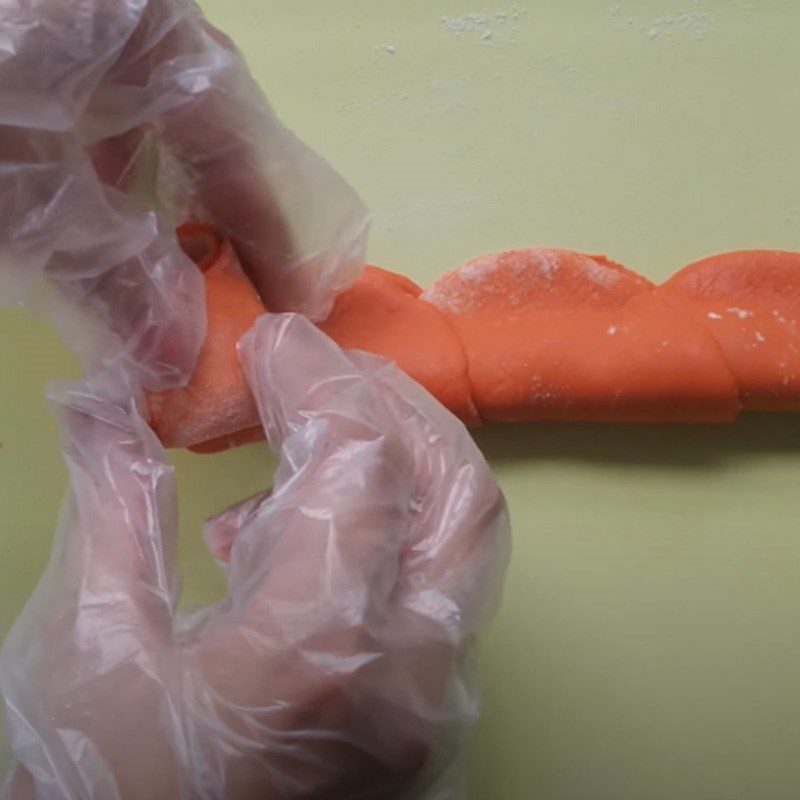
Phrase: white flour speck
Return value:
(612, 330)
(777, 315)
(388, 49)
(760, 337)
(713, 315)
(740, 312)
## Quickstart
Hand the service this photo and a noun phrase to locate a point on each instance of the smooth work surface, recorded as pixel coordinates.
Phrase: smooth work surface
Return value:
(649, 643)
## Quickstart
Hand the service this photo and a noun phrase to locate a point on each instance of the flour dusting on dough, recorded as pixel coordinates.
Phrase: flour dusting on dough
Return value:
(517, 276)
(460, 291)
(477, 270)
(547, 263)
(450, 301)
(599, 273)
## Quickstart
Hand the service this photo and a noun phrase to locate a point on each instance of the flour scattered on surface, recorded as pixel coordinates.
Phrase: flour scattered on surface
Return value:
(388, 49)
(612, 330)
(466, 23)
(760, 337)
(740, 312)
(486, 26)
(713, 315)
(691, 22)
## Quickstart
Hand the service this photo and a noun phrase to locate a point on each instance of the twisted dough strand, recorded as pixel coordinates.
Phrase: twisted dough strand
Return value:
(528, 335)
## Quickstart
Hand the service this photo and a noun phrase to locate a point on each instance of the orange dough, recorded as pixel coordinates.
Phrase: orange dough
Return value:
(750, 303)
(217, 402)
(229, 441)
(531, 334)
(556, 335)
(382, 313)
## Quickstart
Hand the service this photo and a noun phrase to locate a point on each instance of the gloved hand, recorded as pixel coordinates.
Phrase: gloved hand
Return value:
(334, 668)
(112, 110)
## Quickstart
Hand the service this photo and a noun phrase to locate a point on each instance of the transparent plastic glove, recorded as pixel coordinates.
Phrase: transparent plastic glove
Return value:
(113, 110)
(334, 668)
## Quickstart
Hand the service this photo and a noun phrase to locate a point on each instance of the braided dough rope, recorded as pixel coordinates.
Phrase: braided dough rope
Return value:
(526, 335)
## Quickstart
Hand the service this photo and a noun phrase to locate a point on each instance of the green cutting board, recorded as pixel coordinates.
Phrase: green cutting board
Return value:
(648, 647)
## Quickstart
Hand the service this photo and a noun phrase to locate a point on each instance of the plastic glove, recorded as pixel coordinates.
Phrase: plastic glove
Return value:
(150, 97)
(334, 668)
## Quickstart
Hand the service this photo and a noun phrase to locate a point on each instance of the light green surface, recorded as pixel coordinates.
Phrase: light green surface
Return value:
(649, 644)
